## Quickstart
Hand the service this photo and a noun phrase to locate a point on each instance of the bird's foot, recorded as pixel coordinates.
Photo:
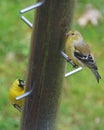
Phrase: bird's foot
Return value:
(17, 107)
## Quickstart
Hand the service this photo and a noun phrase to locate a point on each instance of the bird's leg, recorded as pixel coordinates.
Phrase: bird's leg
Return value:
(68, 59)
(17, 107)
(73, 64)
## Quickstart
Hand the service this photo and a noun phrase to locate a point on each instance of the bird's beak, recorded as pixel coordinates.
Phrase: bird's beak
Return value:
(66, 34)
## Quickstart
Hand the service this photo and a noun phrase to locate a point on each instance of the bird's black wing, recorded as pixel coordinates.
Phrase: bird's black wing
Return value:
(86, 59)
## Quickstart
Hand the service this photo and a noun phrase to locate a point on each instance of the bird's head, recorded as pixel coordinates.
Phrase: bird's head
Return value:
(74, 35)
(20, 83)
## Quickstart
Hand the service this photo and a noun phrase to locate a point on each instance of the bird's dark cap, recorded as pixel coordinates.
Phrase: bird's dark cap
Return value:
(21, 83)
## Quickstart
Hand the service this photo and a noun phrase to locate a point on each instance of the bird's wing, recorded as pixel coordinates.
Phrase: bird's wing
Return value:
(83, 48)
(88, 60)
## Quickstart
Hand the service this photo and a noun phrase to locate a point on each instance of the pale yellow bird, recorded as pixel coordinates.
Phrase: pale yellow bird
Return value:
(79, 52)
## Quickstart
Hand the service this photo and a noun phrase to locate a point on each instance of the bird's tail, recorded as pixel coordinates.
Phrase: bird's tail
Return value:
(97, 75)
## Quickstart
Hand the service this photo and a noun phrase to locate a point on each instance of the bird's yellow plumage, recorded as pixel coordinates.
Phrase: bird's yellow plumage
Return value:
(79, 52)
(16, 89)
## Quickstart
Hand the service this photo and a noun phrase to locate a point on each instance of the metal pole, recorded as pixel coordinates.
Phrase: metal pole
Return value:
(46, 64)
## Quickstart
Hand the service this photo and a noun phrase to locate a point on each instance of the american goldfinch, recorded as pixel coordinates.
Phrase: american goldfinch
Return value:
(79, 52)
(15, 90)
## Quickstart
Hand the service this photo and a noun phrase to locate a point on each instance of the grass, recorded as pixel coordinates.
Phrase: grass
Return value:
(82, 99)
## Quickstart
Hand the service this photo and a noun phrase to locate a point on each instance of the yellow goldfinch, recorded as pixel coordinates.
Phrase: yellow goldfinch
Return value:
(79, 52)
(15, 90)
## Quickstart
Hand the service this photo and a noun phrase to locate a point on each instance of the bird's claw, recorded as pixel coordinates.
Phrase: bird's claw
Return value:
(17, 107)
(73, 64)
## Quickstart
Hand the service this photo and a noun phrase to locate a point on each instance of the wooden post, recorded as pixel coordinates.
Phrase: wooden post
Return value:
(46, 65)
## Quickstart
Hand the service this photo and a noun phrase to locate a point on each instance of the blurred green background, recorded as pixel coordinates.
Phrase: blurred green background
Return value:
(82, 99)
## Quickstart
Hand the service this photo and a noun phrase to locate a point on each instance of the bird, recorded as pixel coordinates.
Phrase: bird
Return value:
(16, 89)
(79, 52)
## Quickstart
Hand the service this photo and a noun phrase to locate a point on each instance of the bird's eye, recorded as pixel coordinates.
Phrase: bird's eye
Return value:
(72, 33)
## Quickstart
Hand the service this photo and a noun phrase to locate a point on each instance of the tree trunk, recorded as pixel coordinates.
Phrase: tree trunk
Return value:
(46, 65)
